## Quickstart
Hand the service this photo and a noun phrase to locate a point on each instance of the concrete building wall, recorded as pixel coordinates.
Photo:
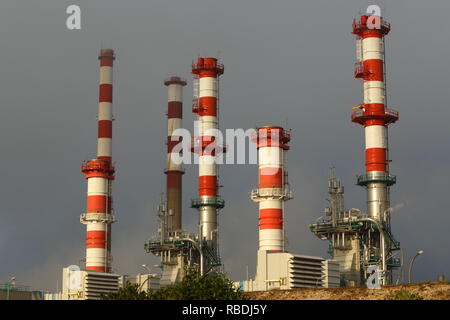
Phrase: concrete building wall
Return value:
(349, 263)
(282, 270)
(145, 281)
(17, 295)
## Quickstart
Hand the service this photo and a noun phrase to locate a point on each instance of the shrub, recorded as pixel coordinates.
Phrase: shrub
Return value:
(129, 292)
(403, 294)
(213, 286)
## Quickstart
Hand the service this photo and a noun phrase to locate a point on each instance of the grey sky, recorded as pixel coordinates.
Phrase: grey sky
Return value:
(284, 61)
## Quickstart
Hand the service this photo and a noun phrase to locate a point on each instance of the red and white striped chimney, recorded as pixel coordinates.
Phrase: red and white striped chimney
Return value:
(373, 114)
(174, 171)
(206, 73)
(272, 192)
(99, 174)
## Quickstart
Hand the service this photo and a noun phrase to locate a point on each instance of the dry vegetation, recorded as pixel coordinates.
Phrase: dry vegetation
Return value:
(426, 290)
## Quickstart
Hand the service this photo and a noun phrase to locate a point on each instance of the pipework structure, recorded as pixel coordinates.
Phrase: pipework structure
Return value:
(343, 229)
(206, 73)
(100, 174)
(273, 188)
(377, 245)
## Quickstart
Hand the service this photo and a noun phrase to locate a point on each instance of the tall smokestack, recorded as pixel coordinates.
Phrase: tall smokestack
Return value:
(206, 73)
(375, 117)
(367, 242)
(174, 171)
(272, 192)
(100, 173)
(373, 113)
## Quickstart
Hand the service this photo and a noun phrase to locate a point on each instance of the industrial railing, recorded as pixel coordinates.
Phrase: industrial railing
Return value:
(358, 26)
(366, 178)
(395, 245)
(387, 113)
(359, 69)
(4, 286)
(102, 217)
(393, 262)
(175, 80)
(215, 202)
(200, 65)
(271, 192)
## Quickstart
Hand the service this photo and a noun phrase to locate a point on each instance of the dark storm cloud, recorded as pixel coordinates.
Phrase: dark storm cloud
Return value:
(284, 61)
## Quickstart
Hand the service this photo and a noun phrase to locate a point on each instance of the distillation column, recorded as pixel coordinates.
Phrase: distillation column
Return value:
(206, 72)
(100, 174)
(272, 192)
(174, 171)
(375, 117)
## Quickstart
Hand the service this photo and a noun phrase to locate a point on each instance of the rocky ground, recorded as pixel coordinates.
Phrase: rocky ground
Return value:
(427, 290)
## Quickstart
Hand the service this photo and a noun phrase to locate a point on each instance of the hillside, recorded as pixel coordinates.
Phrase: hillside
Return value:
(427, 290)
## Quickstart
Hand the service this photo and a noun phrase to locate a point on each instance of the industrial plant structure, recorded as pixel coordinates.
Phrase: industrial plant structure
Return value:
(276, 267)
(177, 248)
(361, 240)
(97, 278)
